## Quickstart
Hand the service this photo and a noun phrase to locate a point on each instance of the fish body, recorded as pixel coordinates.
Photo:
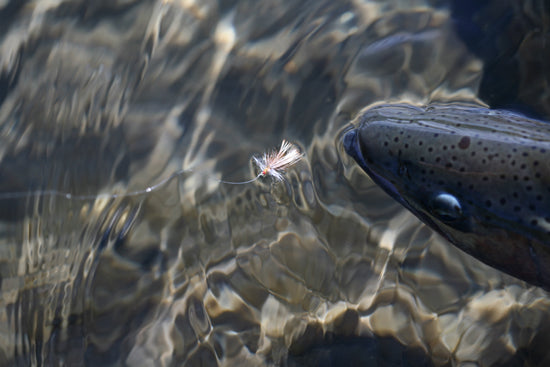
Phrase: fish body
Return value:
(479, 177)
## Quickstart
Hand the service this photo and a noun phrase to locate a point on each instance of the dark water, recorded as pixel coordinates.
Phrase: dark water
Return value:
(102, 98)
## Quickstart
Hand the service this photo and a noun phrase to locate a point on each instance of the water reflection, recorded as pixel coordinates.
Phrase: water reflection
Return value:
(112, 97)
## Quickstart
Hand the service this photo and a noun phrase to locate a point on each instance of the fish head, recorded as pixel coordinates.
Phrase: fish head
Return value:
(457, 171)
(392, 151)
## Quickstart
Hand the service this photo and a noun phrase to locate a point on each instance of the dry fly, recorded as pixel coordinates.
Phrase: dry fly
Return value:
(274, 163)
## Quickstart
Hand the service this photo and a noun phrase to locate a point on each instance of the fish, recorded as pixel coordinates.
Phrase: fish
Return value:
(477, 176)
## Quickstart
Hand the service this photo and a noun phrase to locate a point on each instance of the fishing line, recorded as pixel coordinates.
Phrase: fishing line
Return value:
(270, 164)
(149, 189)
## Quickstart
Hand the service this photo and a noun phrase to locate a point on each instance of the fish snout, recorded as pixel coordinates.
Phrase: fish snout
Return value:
(352, 146)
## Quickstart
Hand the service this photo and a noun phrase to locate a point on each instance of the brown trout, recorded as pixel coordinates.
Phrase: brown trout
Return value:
(479, 177)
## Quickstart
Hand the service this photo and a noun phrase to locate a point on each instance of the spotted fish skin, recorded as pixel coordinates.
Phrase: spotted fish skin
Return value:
(479, 177)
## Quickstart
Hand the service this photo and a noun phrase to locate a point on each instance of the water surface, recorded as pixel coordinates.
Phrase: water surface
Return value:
(108, 98)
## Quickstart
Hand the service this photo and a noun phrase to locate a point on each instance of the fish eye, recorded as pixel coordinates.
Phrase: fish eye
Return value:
(446, 207)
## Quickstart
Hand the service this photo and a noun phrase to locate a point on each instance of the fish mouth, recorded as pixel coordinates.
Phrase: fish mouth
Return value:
(352, 146)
